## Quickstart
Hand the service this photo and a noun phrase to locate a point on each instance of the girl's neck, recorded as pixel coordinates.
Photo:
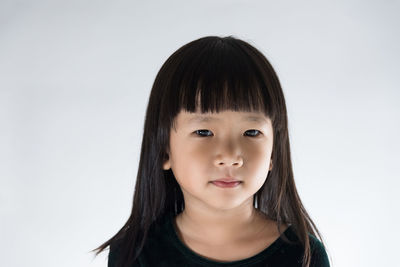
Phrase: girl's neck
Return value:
(220, 228)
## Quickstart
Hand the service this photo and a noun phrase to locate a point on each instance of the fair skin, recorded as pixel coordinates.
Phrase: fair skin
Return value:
(218, 222)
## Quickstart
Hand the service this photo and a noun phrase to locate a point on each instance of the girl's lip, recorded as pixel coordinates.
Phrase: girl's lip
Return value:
(227, 180)
(226, 184)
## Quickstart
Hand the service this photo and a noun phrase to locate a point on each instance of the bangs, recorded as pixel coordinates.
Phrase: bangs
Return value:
(213, 76)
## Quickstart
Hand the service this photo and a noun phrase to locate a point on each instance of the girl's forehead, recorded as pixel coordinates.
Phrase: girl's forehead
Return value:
(191, 117)
(220, 113)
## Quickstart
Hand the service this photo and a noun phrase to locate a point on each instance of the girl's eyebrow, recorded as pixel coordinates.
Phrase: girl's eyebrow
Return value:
(202, 118)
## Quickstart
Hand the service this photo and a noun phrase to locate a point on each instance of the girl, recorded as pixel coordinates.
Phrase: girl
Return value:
(215, 183)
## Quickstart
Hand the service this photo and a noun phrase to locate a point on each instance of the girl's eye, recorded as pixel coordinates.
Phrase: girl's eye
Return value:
(254, 135)
(200, 131)
(204, 133)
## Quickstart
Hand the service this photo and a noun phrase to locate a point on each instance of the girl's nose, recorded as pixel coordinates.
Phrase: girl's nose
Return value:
(228, 155)
(228, 162)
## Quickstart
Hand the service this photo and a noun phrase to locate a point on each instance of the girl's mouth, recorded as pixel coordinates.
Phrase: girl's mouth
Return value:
(226, 184)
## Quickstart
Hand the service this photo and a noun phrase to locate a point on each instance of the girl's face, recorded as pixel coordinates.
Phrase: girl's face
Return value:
(210, 146)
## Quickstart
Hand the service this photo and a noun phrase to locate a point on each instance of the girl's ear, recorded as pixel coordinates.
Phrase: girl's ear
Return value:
(270, 165)
(167, 163)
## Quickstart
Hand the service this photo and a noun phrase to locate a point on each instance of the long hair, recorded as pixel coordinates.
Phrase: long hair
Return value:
(212, 74)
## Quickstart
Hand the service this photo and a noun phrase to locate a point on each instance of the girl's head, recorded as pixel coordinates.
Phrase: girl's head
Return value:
(216, 110)
(231, 82)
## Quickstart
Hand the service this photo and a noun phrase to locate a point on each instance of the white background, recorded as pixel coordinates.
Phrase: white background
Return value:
(75, 77)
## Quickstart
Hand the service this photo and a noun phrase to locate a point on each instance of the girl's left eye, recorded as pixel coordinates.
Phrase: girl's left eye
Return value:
(258, 132)
(198, 132)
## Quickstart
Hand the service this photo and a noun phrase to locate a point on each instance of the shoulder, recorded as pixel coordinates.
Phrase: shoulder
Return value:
(120, 249)
(115, 257)
(319, 257)
(113, 254)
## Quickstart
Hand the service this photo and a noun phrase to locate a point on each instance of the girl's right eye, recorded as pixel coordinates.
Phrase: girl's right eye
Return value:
(201, 133)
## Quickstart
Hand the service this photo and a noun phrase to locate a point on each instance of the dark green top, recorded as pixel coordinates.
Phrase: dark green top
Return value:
(164, 248)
